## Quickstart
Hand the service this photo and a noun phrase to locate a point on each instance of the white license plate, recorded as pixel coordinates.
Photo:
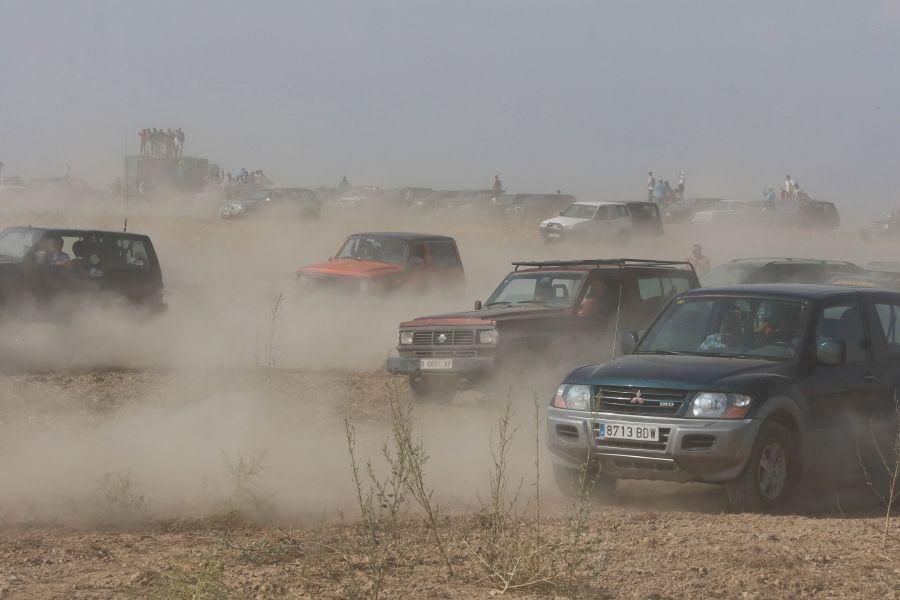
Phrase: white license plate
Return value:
(435, 364)
(554, 235)
(625, 431)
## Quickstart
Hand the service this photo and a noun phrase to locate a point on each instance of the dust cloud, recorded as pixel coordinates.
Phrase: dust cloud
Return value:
(226, 402)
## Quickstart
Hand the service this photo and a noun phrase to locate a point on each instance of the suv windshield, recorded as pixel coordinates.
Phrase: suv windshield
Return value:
(580, 211)
(377, 249)
(548, 289)
(741, 327)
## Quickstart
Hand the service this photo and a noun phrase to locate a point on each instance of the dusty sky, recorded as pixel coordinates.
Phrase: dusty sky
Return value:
(579, 96)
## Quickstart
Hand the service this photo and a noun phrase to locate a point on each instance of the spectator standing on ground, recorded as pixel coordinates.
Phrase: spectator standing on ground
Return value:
(179, 137)
(699, 260)
(679, 192)
(498, 186)
(769, 194)
(344, 185)
(651, 186)
(144, 137)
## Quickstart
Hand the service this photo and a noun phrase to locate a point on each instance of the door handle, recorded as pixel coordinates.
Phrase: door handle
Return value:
(868, 378)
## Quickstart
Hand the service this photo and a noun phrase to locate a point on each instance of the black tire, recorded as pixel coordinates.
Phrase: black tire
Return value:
(424, 391)
(771, 472)
(598, 487)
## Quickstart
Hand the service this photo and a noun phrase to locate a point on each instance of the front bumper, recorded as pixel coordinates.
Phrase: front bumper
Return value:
(554, 233)
(463, 367)
(707, 450)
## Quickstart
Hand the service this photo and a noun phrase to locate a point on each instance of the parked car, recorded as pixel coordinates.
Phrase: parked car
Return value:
(589, 221)
(778, 270)
(683, 211)
(42, 263)
(542, 312)
(278, 203)
(385, 262)
(877, 274)
(755, 387)
(537, 206)
(885, 228)
(726, 212)
(645, 219)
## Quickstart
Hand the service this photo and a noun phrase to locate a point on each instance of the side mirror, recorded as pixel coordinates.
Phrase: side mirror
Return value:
(628, 342)
(478, 305)
(831, 352)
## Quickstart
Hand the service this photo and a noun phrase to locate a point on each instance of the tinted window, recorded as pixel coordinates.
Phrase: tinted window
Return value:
(661, 287)
(443, 255)
(888, 315)
(842, 322)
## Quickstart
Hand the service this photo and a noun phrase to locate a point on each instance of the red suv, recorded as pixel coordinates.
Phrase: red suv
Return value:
(382, 262)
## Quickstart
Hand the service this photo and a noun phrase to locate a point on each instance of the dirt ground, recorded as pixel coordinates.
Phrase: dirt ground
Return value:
(205, 454)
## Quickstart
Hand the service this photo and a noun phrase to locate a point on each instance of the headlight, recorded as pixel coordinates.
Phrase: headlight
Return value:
(488, 336)
(406, 338)
(716, 405)
(574, 397)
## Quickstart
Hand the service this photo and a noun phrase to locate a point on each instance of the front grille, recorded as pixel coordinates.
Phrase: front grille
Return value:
(451, 337)
(650, 401)
(633, 444)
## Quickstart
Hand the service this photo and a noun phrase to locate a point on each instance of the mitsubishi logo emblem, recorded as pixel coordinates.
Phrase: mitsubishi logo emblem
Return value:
(637, 398)
(442, 338)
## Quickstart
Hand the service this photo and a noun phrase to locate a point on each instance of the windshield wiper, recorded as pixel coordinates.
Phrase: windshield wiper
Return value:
(662, 352)
(496, 303)
(532, 302)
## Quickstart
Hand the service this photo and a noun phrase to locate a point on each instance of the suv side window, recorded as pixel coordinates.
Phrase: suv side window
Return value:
(602, 213)
(661, 287)
(444, 256)
(622, 211)
(843, 322)
(889, 319)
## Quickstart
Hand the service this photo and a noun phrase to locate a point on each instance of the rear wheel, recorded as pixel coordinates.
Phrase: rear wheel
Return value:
(591, 483)
(769, 476)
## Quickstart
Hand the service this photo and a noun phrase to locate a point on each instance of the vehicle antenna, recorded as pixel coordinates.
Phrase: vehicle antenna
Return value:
(125, 224)
(616, 329)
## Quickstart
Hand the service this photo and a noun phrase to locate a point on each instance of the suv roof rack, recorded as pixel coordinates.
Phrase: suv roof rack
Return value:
(607, 262)
(793, 259)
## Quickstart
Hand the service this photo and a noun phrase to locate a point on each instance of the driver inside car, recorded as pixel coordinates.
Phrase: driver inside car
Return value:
(728, 337)
(776, 327)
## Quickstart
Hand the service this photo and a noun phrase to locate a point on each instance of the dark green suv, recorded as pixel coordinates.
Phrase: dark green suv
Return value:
(756, 387)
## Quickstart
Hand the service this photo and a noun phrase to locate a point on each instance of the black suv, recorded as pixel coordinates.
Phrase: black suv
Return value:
(41, 263)
(542, 314)
(778, 270)
(757, 387)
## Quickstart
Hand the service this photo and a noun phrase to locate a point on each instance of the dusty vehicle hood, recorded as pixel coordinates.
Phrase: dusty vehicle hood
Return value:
(681, 372)
(485, 316)
(347, 267)
(567, 222)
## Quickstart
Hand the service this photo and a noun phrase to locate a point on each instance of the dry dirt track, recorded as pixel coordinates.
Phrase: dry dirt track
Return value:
(115, 534)
(159, 460)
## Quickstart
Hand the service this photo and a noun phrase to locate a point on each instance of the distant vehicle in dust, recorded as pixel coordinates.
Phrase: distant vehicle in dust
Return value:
(41, 264)
(603, 221)
(276, 203)
(683, 211)
(778, 270)
(541, 315)
(387, 262)
(535, 206)
(884, 228)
